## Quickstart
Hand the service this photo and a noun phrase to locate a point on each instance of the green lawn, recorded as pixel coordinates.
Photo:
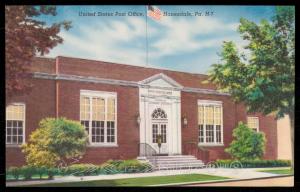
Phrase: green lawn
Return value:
(143, 181)
(278, 171)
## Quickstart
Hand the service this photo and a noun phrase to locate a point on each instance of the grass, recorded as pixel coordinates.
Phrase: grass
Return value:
(278, 171)
(143, 181)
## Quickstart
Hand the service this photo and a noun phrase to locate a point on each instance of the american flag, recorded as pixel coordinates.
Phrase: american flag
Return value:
(154, 12)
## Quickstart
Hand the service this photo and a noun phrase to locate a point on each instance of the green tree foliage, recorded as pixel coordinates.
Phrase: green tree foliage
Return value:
(55, 140)
(265, 80)
(247, 144)
(25, 37)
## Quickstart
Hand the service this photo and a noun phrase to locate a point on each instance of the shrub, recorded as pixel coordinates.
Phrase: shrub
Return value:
(28, 172)
(54, 140)
(131, 166)
(14, 171)
(51, 172)
(41, 171)
(247, 144)
(255, 163)
(82, 169)
(124, 166)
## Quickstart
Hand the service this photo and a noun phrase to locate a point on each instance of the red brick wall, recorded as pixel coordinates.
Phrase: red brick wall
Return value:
(127, 127)
(268, 125)
(232, 114)
(189, 107)
(39, 103)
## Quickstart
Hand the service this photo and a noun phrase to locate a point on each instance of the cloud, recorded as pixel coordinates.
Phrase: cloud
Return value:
(186, 35)
(123, 41)
(108, 41)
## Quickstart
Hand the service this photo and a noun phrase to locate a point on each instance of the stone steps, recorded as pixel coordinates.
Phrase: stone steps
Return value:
(175, 162)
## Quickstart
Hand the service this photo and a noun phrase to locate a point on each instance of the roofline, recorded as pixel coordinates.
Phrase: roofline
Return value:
(147, 67)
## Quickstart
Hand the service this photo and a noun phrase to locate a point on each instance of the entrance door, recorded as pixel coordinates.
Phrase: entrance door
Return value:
(159, 129)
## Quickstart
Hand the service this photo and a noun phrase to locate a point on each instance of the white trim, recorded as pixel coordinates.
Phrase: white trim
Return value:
(210, 144)
(120, 82)
(104, 95)
(160, 76)
(209, 102)
(205, 103)
(24, 124)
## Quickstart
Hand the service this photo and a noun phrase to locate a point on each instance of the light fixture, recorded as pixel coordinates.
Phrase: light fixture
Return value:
(185, 122)
(138, 119)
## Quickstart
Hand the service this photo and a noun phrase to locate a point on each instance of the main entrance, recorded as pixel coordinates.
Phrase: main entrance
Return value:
(160, 114)
(159, 130)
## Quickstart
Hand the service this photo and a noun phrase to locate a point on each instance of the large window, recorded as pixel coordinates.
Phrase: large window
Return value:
(98, 115)
(15, 124)
(253, 123)
(210, 122)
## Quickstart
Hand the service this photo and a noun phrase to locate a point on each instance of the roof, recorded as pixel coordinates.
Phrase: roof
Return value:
(101, 69)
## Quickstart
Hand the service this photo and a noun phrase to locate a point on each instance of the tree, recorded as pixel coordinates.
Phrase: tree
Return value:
(55, 140)
(26, 37)
(265, 82)
(247, 144)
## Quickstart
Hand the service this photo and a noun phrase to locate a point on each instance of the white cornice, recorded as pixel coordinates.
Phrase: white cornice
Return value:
(161, 76)
(125, 83)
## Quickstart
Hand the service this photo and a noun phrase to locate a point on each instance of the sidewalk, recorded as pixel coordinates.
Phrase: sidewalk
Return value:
(246, 173)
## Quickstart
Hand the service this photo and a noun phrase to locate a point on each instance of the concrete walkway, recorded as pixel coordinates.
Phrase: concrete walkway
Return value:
(245, 173)
(266, 182)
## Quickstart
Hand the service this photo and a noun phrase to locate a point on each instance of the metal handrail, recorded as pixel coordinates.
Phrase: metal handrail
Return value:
(148, 151)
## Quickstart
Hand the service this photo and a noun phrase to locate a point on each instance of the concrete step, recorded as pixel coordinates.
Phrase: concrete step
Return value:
(179, 167)
(173, 160)
(179, 164)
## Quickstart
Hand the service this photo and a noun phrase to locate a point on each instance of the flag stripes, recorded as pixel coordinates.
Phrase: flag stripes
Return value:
(154, 12)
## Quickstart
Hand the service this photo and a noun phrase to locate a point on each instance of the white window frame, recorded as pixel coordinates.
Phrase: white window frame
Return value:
(253, 117)
(208, 103)
(24, 126)
(105, 95)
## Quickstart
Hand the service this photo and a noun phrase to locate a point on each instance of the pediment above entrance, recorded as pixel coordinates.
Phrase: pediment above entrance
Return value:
(160, 80)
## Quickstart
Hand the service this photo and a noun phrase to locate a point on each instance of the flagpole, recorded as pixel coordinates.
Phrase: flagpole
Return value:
(146, 36)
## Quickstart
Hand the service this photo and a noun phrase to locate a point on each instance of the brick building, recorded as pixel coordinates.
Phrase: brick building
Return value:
(122, 106)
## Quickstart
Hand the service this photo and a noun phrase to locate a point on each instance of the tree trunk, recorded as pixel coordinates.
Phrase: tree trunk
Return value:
(291, 116)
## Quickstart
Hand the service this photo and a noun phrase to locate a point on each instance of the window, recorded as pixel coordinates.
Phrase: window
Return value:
(15, 124)
(98, 116)
(210, 122)
(253, 123)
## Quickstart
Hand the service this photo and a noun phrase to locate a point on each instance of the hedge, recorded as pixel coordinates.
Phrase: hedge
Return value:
(28, 171)
(109, 167)
(254, 163)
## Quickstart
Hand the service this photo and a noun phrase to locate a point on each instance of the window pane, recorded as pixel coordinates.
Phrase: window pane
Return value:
(110, 109)
(163, 129)
(154, 133)
(15, 112)
(253, 123)
(8, 139)
(201, 133)
(98, 109)
(209, 133)
(97, 131)
(110, 131)
(84, 108)
(200, 115)
(218, 133)
(217, 112)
